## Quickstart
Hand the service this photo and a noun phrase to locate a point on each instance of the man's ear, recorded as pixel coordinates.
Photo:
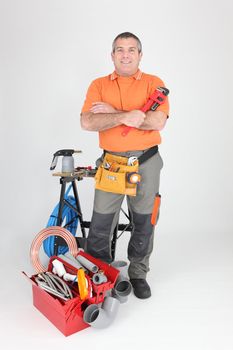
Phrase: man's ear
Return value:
(112, 55)
(140, 55)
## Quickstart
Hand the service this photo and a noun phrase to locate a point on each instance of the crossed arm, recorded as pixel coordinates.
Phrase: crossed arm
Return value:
(103, 116)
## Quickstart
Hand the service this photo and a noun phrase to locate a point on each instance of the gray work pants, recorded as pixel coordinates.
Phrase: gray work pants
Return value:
(106, 214)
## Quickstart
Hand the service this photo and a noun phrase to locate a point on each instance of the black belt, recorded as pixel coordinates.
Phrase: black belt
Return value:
(148, 154)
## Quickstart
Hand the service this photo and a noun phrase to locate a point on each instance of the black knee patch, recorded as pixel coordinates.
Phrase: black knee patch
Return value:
(140, 239)
(98, 240)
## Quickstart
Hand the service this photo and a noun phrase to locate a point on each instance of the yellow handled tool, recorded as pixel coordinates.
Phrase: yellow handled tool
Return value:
(81, 279)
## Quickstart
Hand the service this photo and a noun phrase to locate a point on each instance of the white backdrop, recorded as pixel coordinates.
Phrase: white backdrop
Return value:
(50, 50)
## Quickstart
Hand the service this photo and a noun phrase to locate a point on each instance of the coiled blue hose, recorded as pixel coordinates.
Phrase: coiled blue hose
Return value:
(68, 215)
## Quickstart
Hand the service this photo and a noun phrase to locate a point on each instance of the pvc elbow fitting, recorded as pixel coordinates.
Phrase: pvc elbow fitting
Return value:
(122, 289)
(101, 317)
(122, 286)
(122, 266)
(99, 278)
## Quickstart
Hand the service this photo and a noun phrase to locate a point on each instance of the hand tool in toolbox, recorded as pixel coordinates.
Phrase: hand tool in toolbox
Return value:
(154, 101)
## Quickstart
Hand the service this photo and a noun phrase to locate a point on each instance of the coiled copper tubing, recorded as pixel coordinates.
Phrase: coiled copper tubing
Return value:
(45, 233)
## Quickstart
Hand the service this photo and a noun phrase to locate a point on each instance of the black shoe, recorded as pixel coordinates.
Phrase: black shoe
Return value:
(141, 288)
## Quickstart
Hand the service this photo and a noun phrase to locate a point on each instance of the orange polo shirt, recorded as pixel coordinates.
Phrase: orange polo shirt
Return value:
(125, 94)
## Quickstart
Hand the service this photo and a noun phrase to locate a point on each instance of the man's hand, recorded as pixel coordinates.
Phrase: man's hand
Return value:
(102, 107)
(133, 118)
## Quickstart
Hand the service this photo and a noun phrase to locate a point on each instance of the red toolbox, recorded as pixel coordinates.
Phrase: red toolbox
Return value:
(67, 316)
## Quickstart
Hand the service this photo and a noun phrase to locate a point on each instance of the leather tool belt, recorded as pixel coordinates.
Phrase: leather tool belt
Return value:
(115, 175)
(112, 174)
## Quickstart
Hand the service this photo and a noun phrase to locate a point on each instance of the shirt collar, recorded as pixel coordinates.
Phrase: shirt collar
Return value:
(136, 76)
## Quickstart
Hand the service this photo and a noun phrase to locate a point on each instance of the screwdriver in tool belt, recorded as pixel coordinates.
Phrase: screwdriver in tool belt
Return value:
(113, 167)
(154, 101)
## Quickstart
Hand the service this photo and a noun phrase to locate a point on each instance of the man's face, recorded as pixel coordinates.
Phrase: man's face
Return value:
(126, 56)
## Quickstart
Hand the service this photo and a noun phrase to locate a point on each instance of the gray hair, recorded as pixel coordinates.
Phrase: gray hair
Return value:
(127, 35)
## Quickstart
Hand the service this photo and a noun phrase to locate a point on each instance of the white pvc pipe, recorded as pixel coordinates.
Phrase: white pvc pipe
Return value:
(59, 267)
(68, 277)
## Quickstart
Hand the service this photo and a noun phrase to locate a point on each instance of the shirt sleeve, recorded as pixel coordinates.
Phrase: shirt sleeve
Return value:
(93, 95)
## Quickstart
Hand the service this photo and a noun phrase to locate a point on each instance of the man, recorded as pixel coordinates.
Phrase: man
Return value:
(112, 104)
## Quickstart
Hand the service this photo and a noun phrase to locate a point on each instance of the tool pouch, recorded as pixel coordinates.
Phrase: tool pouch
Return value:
(111, 175)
